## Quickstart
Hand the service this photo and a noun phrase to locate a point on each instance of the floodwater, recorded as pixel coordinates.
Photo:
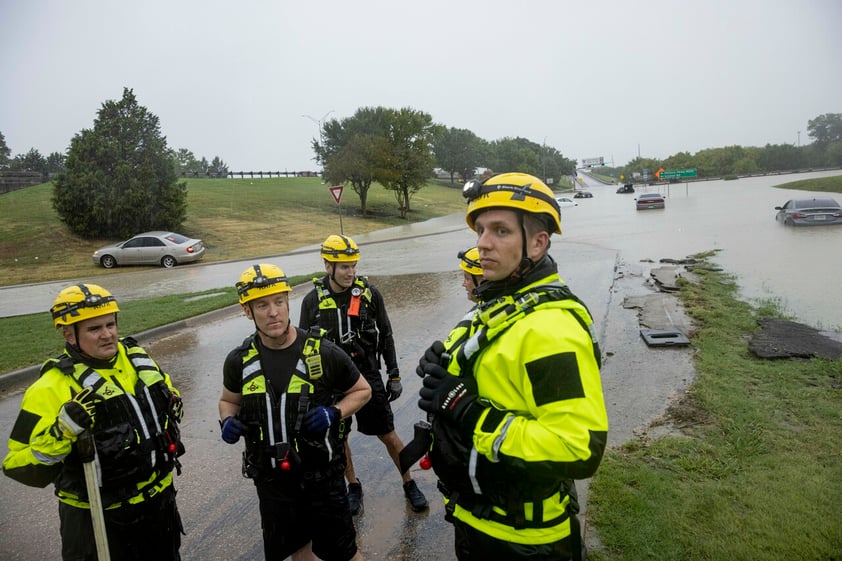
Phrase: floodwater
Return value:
(796, 267)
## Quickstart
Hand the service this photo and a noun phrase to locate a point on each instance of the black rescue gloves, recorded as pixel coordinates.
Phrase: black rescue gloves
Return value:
(76, 415)
(431, 355)
(450, 398)
(394, 388)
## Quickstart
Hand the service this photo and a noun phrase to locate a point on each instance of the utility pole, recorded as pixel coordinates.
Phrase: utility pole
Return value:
(321, 133)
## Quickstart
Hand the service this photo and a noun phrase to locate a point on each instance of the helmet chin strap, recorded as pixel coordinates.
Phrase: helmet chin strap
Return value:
(526, 264)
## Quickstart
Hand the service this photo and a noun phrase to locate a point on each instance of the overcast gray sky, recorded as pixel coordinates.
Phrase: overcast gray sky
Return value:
(611, 78)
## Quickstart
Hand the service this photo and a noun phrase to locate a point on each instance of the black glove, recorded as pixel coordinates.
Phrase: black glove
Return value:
(450, 397)
(431, 355)
(76, 415)
(394, 388)
(321, 418)
(232, 429)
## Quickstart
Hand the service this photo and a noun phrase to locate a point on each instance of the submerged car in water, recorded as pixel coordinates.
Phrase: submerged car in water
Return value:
(627, 188)
(810, 212)
(166, 249)
(649, 200)
(583, 195)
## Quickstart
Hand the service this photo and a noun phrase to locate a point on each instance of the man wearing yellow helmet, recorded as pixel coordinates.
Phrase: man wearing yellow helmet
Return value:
(288, 394)
(471, 271)
(111, 388)
(353, 313)
(516, 398)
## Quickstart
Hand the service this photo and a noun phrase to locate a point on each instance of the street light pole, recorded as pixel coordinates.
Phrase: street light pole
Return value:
(321, 131)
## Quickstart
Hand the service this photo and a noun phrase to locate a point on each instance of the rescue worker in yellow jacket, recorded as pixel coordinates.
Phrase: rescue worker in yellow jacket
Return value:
(114, 389)
(353, 314)
(288, 393)
(517, 404)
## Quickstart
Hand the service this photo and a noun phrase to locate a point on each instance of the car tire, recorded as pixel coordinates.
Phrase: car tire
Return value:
(108, 261)
(168, 262)
(788, 222)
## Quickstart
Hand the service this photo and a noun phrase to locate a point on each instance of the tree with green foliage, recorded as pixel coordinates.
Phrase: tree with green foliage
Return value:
(120, 178)
(826, 128)
(5, 151)
(31, 161)
(55, 162)
(351, 150)
(523, 155)
(459, 152)
(410, 160)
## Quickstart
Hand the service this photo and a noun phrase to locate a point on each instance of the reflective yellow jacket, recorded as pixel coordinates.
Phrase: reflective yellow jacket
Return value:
(544, 423)
(134, 427)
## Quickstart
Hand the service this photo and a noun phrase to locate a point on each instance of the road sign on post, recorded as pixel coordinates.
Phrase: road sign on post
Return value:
(336, 192)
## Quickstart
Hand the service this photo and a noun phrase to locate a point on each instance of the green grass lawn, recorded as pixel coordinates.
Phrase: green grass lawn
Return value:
(754, 470)
(236, 218)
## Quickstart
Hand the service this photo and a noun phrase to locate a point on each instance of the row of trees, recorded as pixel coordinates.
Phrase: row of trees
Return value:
(30, 161)
(824, 152)
(183, 160)
(399, 149)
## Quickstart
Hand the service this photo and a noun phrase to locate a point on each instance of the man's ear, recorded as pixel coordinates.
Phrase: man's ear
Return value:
(69, 334)
(539, 244)
(247, 311)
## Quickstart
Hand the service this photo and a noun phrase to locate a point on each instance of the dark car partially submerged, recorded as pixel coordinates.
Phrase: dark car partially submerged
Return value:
(810, 212)
(627, 188)
(583, 195)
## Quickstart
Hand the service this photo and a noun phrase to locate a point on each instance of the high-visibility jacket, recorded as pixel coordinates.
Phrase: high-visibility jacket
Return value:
(275, 422)
(543, 422)
(135, 430)
(354, 319)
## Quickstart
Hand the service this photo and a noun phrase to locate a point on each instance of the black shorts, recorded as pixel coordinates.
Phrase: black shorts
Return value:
(147, 530)
(375, 418)
(316, 512)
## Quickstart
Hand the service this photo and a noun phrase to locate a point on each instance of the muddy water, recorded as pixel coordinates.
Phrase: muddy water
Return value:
(797, 267)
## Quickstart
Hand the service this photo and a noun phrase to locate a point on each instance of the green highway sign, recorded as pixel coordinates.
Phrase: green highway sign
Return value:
(677, 173)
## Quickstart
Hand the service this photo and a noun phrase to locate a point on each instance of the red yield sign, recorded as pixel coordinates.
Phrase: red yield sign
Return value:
(336, 192)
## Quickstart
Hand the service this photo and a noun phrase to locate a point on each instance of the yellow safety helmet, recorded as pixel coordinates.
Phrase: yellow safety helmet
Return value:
(80, 302)
(515, 191)
(469, 262)
(261, 280)
(340, 249)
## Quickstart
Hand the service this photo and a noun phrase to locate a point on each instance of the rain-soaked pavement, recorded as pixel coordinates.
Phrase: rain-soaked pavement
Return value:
(422, 288)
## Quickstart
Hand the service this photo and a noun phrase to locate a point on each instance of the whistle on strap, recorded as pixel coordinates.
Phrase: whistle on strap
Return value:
(354, 305)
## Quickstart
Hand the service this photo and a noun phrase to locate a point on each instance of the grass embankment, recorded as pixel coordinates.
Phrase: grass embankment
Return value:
(823, 184)
(236, 218)
(755, 471)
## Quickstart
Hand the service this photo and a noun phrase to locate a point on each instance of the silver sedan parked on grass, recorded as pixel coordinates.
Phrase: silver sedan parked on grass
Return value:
(166, 249)
(809, 212)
